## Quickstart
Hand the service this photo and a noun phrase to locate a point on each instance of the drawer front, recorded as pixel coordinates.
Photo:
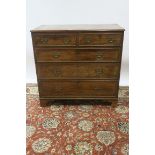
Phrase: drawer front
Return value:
(54, 40)
(70, 88)
(78, 70)
(100, 39)
(104, 55)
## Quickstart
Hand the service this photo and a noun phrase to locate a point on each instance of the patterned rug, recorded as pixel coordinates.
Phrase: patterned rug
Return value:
(76, 129)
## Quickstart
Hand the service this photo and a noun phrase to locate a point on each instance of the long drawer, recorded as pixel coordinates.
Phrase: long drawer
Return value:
(64, 55)
(78, 70)
(77, 88)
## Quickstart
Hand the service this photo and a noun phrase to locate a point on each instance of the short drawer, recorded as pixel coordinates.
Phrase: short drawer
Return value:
(100, 39)
(63, 55)
(54, 40)
(77, 88)
(78, 70)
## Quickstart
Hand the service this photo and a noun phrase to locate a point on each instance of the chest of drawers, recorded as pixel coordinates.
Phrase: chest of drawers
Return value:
(78, 61)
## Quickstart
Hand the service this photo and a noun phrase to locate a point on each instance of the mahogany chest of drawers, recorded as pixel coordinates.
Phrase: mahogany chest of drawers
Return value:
(78, 61)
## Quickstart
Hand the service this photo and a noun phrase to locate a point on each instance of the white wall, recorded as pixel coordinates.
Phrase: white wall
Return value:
(48, 12)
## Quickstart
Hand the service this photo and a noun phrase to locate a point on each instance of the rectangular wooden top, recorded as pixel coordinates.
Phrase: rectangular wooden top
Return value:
(103, 27)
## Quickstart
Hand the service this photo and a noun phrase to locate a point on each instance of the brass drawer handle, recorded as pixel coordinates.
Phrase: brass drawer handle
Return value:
(87, 40)
(99, 56)
(44, 41)
(56, 55)
(66, 41)
(99, 72)
(58, 90)
(110, 40)
(57, 72)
